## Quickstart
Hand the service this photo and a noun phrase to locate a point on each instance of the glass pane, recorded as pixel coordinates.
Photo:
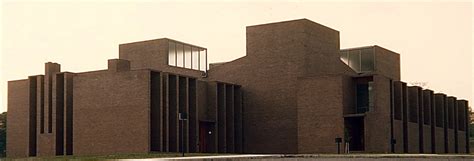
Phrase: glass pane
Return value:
(362, 98)
(187, 56)
(195, 58)
(367, 60)
(202, 60)
(171, 54)
(371, 95)
(179, 48)
(344, 57)
(354, 60)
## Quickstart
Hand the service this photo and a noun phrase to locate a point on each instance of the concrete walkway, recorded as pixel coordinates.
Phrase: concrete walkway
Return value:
(323, 157)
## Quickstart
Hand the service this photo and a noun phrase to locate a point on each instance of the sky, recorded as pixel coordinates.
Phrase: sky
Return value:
(434, 39)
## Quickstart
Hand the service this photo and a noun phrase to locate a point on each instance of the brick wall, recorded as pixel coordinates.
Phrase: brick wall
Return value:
(111, 112)
(18, 120)
(316, 109)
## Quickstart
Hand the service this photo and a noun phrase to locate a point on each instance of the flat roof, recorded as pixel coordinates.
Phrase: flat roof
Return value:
(165, 39)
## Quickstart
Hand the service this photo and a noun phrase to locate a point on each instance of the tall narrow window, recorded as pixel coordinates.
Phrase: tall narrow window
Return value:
(362, 98)
(426, 107)
(367, 60)
(461, 115)
(371, 96)
(195, 58)
(202, 59)
(451, 112)
(180, 55)
(187, 56)
(344, 57)
(397, 100)
(439, 110)
(171, 54)
(354, 60)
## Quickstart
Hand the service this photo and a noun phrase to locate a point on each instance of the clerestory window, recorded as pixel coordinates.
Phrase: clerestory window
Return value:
(187, 56)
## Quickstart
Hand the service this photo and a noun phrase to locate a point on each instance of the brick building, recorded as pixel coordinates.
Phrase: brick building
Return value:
(295, 91)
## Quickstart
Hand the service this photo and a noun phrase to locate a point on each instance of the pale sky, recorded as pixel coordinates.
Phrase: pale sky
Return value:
(433, 38)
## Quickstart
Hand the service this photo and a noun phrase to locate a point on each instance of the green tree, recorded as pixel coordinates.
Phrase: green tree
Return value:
(471, 131)
(3, 134)
(471, 124)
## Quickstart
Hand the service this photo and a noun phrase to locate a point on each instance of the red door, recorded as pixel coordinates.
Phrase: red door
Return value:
(205, 136)
(202, 137)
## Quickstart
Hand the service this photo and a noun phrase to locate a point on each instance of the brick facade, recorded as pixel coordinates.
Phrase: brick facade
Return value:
(295, 91)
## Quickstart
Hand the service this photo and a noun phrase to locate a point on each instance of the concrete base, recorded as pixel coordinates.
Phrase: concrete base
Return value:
(331, 157)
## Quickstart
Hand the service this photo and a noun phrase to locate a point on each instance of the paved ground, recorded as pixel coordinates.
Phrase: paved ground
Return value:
(273, 157)
(324, 157)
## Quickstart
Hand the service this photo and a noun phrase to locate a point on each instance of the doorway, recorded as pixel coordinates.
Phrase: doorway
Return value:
(354, 133)
(206, 137)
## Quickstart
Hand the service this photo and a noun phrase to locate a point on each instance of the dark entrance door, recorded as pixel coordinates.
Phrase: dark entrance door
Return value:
(206, 135)
(355, 133)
